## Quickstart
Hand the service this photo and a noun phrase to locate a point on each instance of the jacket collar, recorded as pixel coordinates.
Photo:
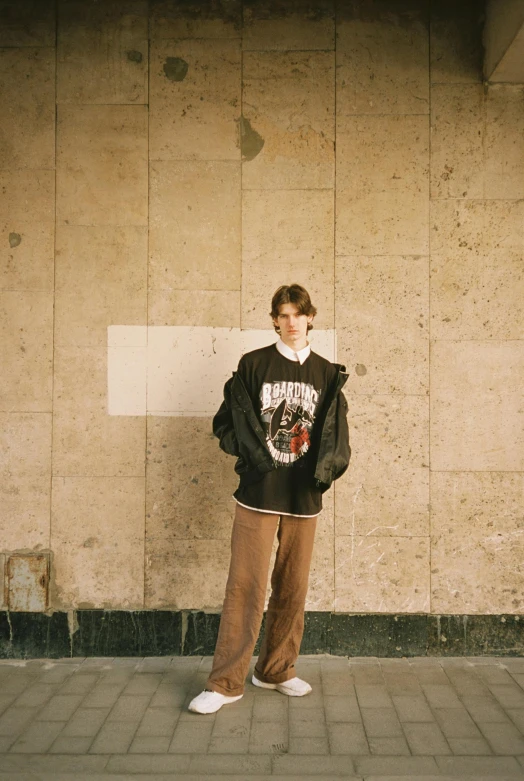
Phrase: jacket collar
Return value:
(288, 352)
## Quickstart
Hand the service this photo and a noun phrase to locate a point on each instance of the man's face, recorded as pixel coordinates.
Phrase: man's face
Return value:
(293, 326)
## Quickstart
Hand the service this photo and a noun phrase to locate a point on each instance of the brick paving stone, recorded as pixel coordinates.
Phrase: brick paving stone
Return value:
(230, 764)
(169, 695)
(517, 717)
(389, 746)
(79, 683)
(367, 675)
(456, 722)
(402, 684)
(494, 674)
(467, 683)
(313, 700)
(7, 699)
(14, 719)
(430, 674)
(426, 739)
(149, 745)
(503, 738)
(70, 745)
(412, 708)
(440, 696)
(157, 664)
(37, 695)
(478, 765)
(285, 765)
(268, 737)
(308, 745)
(60, 707)
(337, 683)
(17, 683)
(57, 674)
(347, 739)
(519, 678)
(521, 760)
(45, 763)
(485, 709)
(509, 696)
(221, 744)
(85, 722)
(129, 708)
(148, 763)
(143, 683)
(114, 738)
(191, 737)
(300, 727)
(381, 722)
(6, 742)
(268, 708)
(472, 746)
(158, 723)
(38, 737)
(410, 766)
(373, 696)
(342, 708)
(102, 696)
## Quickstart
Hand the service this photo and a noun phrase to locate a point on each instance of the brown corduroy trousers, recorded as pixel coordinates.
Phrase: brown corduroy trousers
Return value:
(243, 609)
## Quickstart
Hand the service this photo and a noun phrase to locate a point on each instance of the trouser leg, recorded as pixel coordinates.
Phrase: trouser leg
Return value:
(251, 543)
(285, 614)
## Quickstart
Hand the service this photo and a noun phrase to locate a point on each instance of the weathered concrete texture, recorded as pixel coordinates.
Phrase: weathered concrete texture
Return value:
(476, 405)
(288, 25)
(382, 304)
(97, 538)
(385, 492)
(27, 125)
(504, 146)
(194, 111)
(289, 101)
(27, 23)
(102, 51)
(382, 185)
(476, 279)
(195, 18)
(382, 58)
(25, 443)
(27, 223)
(477, 542)
(26, 335)
(195, 226)
(214, 308)
(189, 484)
(287, 236)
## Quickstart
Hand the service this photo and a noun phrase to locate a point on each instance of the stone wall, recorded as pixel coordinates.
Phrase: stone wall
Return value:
(166, 165)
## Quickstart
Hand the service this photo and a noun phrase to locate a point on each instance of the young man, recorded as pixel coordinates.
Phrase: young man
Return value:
(284, 418)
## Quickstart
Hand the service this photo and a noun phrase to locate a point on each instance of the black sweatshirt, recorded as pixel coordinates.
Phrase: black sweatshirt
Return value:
(289, 398)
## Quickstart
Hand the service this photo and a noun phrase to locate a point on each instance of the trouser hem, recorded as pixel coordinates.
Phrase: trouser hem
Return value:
(216, 687)
(280, 678)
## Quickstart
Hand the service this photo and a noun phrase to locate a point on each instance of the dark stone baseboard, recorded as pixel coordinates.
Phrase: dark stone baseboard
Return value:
(194, 632)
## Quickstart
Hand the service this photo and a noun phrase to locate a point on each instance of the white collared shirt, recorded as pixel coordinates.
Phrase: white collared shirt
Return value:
(288, 352)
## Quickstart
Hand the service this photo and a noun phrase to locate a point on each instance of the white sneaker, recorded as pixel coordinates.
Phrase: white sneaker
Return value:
(209, 702)
(295, 687)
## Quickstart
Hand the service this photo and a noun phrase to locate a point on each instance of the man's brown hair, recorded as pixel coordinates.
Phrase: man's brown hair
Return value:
(292, 294)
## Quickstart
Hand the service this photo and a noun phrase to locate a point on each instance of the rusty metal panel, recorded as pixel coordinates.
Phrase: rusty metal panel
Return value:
(28, 581)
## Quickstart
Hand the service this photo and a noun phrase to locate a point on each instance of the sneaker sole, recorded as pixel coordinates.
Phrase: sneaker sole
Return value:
(204, 712)
(279, 687)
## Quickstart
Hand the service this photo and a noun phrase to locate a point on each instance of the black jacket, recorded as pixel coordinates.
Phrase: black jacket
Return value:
(240, 434)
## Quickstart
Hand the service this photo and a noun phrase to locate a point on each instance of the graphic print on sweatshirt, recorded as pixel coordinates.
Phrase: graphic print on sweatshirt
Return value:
(287, 414)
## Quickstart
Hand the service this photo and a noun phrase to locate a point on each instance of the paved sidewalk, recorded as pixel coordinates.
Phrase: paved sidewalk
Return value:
(374, 719)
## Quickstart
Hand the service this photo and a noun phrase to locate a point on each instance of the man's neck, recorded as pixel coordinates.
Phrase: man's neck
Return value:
(296, 346)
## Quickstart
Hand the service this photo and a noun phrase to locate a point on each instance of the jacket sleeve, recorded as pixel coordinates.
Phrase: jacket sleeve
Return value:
(223, 426)
(342, 449)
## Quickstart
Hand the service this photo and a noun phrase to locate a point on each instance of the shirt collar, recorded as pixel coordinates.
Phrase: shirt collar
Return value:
(288, 352)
